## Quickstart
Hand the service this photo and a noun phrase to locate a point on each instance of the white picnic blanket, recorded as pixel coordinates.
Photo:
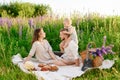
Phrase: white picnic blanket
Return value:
(64, 72)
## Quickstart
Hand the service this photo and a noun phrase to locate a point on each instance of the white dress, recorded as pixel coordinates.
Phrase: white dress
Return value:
(71, 51)
(41, 52)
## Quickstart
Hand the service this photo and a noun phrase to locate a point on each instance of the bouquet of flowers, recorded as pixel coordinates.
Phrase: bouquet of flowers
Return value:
(99, 52)
(96, 54)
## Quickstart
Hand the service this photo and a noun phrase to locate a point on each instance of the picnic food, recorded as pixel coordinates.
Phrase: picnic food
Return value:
(29, 65)
(41, 65)
(54, 68)
(45, 67)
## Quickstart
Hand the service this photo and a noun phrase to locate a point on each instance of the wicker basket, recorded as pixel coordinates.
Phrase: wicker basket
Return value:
(97, 61)
(83, 55)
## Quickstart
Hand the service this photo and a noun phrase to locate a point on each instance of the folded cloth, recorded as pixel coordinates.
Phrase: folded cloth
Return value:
(63, 73)
(106, 64)
(16, 58)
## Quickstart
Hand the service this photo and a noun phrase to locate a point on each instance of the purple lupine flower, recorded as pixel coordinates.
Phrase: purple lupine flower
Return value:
(19, 21)
(4, 21)
(99, 53)
(1, 22)
(9, 23)
(109, 49)
(41, 18)
(103, 50)
(101, 56)
(31, 23)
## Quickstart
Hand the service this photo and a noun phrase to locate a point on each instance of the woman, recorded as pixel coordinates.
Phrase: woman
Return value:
(70, 52)
(42, 49)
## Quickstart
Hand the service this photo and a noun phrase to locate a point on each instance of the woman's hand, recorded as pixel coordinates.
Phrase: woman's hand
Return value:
(27, 58)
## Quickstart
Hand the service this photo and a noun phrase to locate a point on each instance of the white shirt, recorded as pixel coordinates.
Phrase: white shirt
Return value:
(71, 51)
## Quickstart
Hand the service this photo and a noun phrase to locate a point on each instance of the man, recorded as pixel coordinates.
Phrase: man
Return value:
(70, 51)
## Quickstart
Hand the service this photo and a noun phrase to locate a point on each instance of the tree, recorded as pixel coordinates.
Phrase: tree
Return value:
(41, 10)
(14, 9)
(24, 9)
(3, 9)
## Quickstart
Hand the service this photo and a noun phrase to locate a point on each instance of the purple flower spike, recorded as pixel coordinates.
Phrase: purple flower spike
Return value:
(101, 56)
(30, 22)
(41, 18)
(107, 49)
(9, 23)
(97, 51)
(1, 22)
(19, 21)
(103, 50)
(111, 52)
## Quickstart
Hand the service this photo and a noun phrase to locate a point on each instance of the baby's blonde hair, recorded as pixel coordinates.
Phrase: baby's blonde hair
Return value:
(68, 20)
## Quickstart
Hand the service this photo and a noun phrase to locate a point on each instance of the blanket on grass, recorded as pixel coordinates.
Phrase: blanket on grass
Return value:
(64, 72)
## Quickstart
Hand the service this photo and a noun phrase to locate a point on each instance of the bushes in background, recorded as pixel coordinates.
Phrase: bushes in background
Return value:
(17, 9)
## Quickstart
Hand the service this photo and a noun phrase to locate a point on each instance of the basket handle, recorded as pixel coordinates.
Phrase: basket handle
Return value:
(89, 45)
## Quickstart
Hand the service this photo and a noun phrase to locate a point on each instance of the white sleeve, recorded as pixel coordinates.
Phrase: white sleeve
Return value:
(74, 50)
(33, 49)
(49, 46)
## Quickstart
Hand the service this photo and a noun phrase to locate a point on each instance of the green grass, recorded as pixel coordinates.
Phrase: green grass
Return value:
(88, 29)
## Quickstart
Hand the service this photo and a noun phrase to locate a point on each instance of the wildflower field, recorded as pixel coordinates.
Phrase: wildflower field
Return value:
(16, 35)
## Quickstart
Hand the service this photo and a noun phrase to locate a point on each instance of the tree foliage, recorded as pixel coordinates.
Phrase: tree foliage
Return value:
(41, 9)
(23, 9)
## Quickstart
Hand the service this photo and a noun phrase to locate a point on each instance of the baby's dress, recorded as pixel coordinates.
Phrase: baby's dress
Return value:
(74, 34)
